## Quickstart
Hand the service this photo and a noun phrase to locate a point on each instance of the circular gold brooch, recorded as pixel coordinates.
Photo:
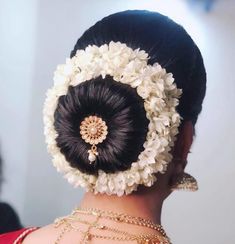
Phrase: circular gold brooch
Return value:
(93, 130)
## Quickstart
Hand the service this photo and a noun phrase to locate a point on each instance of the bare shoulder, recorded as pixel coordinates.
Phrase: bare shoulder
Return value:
(46, 234)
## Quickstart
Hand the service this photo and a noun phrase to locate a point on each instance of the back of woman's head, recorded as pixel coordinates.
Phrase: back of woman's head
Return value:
(168, 44)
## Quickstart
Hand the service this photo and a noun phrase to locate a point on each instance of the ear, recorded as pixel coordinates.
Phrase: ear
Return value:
(182, 146)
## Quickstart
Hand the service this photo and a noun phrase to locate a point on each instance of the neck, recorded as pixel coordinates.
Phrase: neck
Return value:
(146, 205)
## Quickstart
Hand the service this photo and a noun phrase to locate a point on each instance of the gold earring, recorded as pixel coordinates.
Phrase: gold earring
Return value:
(185, 182)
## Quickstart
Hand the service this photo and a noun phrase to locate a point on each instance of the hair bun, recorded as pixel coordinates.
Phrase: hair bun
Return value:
(138, 103)
(123, 111)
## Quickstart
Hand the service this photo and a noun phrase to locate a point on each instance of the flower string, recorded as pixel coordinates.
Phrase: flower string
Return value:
(152, 83)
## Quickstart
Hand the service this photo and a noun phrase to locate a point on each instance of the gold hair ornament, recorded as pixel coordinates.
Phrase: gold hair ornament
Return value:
(93, 130)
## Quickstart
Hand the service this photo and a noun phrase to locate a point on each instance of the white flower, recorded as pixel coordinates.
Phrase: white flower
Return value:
(120, 182)
(131, 179)
(143, 91)
(152, 83)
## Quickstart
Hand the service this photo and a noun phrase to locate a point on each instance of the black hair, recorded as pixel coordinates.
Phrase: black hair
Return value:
(119, 106)
(168, 44)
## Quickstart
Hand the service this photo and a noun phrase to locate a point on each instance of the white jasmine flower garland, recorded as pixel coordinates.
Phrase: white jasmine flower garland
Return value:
(160, 95)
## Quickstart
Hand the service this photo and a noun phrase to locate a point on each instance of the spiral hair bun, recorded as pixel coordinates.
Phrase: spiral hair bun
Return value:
(121, 109)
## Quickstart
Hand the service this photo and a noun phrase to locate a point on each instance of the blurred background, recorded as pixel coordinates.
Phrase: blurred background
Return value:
(36, 35)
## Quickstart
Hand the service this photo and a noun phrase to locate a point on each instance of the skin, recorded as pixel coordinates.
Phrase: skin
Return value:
(147, 202)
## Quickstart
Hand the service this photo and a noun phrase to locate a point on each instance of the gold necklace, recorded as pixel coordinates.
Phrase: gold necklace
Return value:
(67, 221)
(122, 217)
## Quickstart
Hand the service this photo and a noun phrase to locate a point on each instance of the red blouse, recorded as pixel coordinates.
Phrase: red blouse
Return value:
(16, 237)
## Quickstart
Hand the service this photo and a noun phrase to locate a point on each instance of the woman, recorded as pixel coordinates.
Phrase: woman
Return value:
(119, 121)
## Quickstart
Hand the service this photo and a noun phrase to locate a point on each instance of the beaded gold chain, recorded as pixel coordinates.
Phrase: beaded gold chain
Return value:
(121, 217)
(68, 221)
